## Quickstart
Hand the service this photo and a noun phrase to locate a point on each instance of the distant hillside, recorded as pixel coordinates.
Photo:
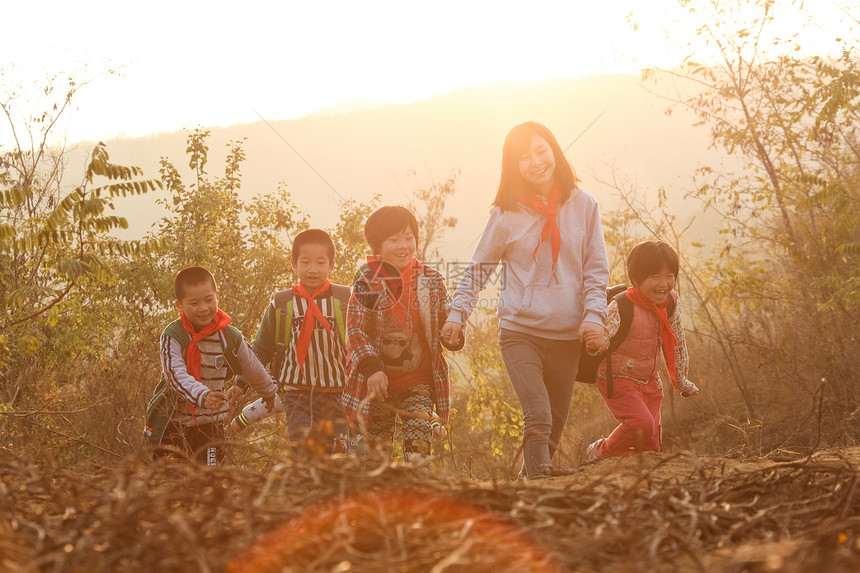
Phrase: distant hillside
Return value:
(331, 156)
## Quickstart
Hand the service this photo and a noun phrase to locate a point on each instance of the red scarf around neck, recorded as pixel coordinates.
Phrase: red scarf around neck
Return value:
(192, 353)
(399, 288)
(638, 298)
(550, 228)
(313, 314)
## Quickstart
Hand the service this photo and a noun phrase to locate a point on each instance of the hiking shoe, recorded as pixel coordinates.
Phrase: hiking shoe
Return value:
(591, 450)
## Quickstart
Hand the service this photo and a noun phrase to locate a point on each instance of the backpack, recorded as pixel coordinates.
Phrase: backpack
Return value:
(160, 409)
(284, 322)
(587, 371)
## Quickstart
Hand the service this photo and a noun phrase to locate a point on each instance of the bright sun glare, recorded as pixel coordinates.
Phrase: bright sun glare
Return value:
(184, 64)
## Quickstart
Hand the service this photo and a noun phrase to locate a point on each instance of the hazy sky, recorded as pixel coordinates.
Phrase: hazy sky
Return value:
(216, 63)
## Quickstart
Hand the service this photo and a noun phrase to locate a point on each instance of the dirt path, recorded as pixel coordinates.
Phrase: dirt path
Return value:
(682, 466)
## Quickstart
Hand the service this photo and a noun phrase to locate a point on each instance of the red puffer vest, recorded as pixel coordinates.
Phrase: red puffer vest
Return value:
(638, 356)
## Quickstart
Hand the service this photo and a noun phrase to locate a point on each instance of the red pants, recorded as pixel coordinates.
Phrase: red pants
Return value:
(637, 408)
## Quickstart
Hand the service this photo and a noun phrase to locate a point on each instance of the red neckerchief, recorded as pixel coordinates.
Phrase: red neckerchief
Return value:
(550, 228)
(312, 314)
(638, 298)
(192, 353)
(399, 288)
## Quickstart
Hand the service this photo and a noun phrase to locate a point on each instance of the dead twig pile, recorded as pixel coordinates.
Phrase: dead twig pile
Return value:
(802, 516)
(332, 515)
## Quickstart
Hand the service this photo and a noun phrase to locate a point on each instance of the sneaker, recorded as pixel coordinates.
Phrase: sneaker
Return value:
(591, 451)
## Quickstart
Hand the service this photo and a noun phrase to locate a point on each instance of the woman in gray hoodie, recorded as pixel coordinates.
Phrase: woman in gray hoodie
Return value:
(546, 232)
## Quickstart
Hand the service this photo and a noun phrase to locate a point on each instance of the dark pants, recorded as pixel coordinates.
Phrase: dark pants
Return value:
(197, 441)
(316, 421)
(542, 372)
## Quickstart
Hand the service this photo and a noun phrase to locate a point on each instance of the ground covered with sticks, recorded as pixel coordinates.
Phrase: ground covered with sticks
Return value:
(653, 512)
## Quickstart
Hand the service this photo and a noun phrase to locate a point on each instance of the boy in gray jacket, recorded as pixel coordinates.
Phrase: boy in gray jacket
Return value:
(198, 352)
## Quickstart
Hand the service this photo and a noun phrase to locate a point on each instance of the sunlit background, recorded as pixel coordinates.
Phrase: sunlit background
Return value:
(183, 64)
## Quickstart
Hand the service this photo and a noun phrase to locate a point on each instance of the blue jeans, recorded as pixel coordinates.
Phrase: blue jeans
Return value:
(315, 420)
(542, 372)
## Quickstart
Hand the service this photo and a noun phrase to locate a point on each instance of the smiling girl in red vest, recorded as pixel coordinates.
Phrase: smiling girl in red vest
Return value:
(636, 392)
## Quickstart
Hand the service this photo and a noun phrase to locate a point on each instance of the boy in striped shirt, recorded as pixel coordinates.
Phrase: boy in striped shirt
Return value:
(301, 336)
(198, 352)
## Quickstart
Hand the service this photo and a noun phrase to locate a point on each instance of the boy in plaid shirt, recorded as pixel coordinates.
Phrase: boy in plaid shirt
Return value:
(395, 364)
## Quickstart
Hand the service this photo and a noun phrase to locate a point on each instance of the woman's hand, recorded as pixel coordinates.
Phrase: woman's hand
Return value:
(377, 385)
(593, 342)
(451, 333)
(591, 330)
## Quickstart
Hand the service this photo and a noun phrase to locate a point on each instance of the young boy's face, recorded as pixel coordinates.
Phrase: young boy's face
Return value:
(399, 248)
(657, 286)
(313, 265)
(199, 303)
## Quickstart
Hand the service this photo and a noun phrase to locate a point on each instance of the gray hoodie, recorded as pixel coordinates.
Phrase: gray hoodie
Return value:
(532, 301)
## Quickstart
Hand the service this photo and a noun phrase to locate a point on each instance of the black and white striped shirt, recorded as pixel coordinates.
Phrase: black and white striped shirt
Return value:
(325, 363)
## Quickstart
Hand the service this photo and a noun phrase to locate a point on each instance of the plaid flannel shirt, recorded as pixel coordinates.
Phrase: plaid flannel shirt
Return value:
(370, 305)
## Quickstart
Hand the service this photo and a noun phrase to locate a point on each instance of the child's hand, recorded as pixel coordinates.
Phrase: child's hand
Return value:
(688, 389)
(377, 385)
(439, 431)
(269, 403)
(593, 343)
(234, 394)
(234, 427)
(588, 329)
(451, 333)
(214, 400)
(594, 338)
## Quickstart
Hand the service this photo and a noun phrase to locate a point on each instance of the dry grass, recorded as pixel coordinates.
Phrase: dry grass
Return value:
(653, 512)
